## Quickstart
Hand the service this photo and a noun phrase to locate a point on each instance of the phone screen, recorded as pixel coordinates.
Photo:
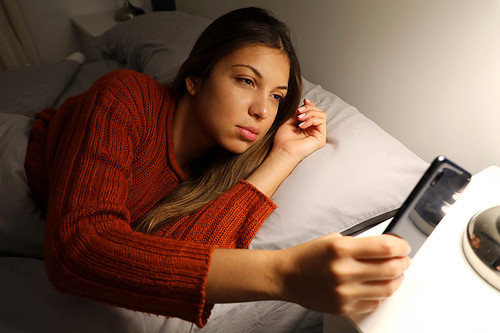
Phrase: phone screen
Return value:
(429, 202)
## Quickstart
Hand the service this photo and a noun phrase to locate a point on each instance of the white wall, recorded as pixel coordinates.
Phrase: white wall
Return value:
(426, 71)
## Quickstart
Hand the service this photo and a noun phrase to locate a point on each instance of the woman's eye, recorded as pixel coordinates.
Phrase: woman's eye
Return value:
(246, 81)
(277, 97)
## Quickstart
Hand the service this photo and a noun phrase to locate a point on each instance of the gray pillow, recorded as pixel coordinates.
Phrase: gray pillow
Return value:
(155, 43)
(87, 74)
(29, 89)
(357, 180)
(21, 223)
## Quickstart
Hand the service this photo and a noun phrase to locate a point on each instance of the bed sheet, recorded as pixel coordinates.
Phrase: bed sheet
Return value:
(29, 303)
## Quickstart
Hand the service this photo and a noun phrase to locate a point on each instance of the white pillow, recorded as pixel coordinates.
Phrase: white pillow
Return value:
(357, 180)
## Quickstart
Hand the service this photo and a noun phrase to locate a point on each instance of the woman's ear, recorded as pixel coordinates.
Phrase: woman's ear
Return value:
(191, 85)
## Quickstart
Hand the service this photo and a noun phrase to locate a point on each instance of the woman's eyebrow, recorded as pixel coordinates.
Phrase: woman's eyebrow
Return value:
(259, 74)
(255, 70)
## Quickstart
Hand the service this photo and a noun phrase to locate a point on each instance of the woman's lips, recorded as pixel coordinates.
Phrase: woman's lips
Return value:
(249, 133)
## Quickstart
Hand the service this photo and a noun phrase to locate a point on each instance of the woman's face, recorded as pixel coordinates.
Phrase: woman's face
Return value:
(237, 104)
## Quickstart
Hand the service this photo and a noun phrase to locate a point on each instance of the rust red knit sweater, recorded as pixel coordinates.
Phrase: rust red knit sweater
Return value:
(104, 159)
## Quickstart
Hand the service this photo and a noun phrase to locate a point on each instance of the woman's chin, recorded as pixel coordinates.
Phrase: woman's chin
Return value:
(238, 147)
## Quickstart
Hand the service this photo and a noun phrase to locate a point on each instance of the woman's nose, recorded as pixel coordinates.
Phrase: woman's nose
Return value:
(259, 108)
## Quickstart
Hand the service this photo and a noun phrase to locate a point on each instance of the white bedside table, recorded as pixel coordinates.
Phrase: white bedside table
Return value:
(90, 27)
(441, 292)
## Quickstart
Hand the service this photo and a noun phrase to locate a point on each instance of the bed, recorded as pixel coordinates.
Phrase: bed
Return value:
(358, 180)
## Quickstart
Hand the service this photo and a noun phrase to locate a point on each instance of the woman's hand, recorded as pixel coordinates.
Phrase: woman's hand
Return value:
(343, 275)
(302, 134)
(332, 274)
(292, 143)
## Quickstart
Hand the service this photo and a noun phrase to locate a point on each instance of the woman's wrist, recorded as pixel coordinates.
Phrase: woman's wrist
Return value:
(272, 172)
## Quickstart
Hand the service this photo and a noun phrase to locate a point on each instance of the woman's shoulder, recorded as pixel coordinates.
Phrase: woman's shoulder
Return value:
(131, 88)
(124, 78)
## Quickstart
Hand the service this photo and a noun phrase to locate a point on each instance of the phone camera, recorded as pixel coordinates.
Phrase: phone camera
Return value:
(437, 178)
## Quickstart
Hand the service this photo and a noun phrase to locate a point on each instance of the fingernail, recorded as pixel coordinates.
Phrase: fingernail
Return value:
(301, 109)
(306, 100)
(302, 115)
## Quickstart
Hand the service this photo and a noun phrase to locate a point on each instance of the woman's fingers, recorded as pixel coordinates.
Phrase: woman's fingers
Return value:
(309, 115)
(368, 290)
(374, 247)
(312, 121)
(311, 118)
(365, 270)
(369, 258)
(360, 306)
(305, 109)
(356, 297)
(346, 274)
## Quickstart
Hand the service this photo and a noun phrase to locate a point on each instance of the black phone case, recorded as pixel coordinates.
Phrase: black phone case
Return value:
(437, 190)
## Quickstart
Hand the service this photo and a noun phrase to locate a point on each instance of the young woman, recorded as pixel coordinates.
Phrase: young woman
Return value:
(152, 193)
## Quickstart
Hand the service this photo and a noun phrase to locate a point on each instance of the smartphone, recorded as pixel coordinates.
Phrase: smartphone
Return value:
(437, 190)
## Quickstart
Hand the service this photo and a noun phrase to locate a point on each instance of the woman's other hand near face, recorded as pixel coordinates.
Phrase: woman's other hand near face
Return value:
(297, 138)
(302, 134)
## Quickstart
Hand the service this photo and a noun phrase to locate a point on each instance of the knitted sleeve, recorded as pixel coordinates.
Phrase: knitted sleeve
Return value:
(229, 221)
(90, 248)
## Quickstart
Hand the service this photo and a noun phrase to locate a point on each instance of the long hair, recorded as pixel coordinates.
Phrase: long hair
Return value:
(216, 173)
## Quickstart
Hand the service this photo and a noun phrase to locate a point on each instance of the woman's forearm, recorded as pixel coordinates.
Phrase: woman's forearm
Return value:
(332, 273)
(237, 275)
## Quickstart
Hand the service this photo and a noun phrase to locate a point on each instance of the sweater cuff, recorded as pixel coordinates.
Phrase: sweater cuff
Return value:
(206, 308)
(259, 193)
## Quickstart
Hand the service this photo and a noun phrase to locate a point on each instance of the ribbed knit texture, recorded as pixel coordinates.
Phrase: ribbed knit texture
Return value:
(99, 163)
